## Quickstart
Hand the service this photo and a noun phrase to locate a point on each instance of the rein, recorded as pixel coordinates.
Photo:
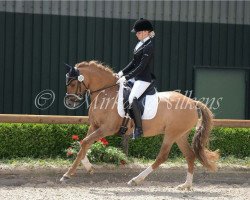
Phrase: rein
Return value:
(101, 88)
(87, 89)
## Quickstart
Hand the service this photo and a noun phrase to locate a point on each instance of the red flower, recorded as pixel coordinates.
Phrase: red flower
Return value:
(75, 137)
(123, 162)
(104, 141)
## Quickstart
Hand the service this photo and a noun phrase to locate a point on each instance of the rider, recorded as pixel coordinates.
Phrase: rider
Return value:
(139, 68)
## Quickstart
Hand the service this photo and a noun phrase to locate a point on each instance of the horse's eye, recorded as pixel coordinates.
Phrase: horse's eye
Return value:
(72, 84)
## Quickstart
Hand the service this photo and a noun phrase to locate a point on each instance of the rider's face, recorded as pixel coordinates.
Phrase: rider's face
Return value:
(142, 34)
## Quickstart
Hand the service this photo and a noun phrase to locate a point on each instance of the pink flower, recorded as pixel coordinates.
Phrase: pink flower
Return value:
(75, 137)
(69, 151)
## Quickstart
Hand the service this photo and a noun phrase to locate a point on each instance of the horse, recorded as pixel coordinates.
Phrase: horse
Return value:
(176, 116)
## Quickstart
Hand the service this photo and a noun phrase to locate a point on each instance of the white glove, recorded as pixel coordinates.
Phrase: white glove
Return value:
(120, 74)
(121, 80)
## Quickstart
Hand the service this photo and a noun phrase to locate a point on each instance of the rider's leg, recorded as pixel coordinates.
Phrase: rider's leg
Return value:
(137, 90)
(137, 119)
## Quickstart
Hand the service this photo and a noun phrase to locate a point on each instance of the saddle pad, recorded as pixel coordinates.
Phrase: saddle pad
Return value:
(151, 104)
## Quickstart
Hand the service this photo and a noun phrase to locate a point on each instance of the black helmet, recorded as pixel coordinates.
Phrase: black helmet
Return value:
(142, 25)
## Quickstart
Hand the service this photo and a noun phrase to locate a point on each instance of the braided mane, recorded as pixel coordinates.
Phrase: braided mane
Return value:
(97, 64)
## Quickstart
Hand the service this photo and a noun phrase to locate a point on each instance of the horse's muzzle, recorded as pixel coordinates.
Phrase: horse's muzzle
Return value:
(73, 101)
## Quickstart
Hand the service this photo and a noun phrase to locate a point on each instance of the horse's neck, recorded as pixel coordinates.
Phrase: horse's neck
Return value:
(101, 79)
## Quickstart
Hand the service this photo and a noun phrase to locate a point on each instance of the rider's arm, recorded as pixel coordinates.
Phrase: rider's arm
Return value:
(128, 68)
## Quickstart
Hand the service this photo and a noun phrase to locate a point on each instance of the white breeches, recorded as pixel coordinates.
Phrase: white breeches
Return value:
(138, 89)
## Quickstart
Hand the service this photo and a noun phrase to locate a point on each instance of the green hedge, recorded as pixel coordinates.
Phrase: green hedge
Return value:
(43, 140)
(36, 140)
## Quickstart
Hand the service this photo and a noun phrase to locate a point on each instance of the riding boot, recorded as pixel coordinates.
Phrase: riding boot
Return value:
(137, 119)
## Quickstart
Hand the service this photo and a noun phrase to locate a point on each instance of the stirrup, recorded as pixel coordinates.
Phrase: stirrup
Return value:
(123, 130)
(124, 127)
(138, 132)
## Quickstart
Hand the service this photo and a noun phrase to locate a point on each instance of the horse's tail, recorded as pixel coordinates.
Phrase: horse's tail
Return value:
(201, 139)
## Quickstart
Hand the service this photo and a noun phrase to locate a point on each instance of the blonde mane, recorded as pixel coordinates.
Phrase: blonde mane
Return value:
(96, 64)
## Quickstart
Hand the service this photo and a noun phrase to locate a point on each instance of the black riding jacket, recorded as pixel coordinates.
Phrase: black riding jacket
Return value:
(140, 67)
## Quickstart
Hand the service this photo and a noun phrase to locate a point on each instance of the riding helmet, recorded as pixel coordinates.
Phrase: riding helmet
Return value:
(142, 25)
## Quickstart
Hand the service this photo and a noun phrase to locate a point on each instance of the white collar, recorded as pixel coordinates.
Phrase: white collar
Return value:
(139, 44)
(145, 39)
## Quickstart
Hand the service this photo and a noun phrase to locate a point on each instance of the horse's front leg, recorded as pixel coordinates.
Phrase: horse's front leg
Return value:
(86, 143)
(85, 161)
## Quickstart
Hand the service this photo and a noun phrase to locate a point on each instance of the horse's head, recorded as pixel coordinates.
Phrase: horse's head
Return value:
(76, 88)
(87, 77)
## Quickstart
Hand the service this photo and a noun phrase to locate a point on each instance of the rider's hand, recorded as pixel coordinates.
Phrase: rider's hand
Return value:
(121, 80)
(119, 74)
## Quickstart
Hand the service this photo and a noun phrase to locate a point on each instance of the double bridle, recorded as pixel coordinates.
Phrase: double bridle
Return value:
(80, 97)
(70, 79)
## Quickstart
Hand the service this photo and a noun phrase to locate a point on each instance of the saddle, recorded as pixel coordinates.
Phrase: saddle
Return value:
(151, 90)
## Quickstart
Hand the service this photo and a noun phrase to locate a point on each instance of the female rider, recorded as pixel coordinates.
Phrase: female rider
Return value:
(139, 68)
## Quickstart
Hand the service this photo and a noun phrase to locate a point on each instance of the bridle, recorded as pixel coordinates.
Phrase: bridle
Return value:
(80, 81)
(79, 98)
(86, 88)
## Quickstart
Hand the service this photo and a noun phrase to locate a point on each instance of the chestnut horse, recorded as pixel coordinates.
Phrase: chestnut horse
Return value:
(176, 116)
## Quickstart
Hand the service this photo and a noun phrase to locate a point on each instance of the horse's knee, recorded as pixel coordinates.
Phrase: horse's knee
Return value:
(85, 143)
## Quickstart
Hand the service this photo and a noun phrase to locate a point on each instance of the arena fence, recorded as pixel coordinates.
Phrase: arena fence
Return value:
(62, 119)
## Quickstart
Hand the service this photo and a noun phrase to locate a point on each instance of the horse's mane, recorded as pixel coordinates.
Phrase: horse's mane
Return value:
(97, 64)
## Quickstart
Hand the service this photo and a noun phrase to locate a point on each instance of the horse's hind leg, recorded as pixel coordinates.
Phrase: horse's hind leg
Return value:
(87, 165)
(161, 158)
(190, 157)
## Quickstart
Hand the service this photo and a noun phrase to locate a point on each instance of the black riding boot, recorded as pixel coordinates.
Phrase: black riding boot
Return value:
(137, 119)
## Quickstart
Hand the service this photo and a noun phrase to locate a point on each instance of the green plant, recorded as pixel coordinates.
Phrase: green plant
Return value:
(231, 141)
(99, 152)
(36, 140)
(50, 141)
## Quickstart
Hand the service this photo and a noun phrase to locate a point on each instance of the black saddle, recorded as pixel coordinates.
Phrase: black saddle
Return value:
(151, 90)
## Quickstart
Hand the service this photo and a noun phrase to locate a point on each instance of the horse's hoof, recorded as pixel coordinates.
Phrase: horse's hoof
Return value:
(132, 183)
(185, 187)
(91, 170)
(64, 179)
(135, 182)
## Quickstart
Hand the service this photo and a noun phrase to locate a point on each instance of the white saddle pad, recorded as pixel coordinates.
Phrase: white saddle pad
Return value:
(151, 105)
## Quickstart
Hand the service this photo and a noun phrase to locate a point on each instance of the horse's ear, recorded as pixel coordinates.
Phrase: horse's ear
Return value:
(68, 67)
